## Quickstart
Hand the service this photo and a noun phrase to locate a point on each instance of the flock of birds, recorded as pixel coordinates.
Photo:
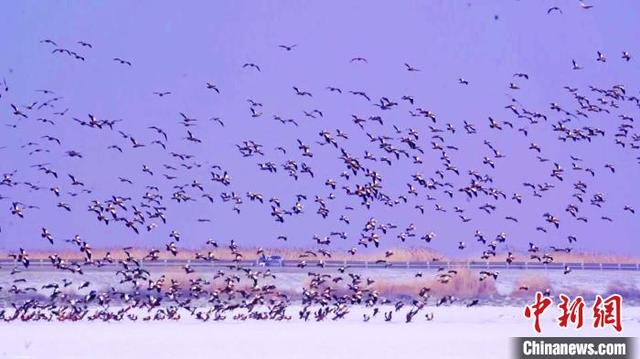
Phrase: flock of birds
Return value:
(440, 187)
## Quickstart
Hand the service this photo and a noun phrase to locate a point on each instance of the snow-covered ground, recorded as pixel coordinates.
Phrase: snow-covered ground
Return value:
(482, 331)
(455, 332)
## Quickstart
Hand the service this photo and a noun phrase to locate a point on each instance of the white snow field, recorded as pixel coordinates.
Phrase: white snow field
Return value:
(455, 332)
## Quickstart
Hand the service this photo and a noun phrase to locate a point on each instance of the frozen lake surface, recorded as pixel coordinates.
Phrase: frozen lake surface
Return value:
(481, 331)
(455, 332)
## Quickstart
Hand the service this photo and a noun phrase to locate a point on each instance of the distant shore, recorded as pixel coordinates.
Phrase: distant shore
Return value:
(392, 255)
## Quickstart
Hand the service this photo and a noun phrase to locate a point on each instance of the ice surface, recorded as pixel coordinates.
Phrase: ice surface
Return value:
(455, 332)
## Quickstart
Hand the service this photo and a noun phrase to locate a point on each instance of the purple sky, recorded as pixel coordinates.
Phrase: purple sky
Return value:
(179, 50)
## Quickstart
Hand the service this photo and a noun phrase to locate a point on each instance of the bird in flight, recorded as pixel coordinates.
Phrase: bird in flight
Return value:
(626, 56)
(251, 65)
(555, 8)
(287, 47)
(410, 68)
(121, 61)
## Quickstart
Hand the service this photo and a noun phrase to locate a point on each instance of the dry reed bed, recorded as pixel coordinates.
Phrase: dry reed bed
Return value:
(399, 255)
